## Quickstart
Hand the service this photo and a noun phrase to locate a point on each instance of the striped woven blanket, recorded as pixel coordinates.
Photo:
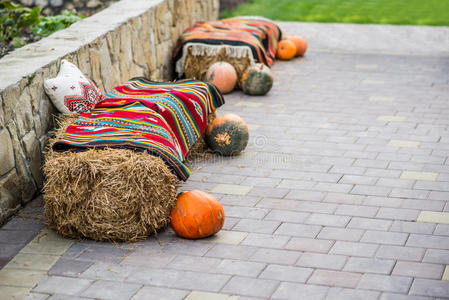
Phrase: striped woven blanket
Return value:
(164, 119)
(252, 37)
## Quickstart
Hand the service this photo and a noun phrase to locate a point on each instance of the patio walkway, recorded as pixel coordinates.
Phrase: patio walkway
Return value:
(343, 192)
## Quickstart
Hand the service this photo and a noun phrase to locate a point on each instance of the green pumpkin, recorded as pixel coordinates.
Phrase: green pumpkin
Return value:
(227, 135)
(256, 80)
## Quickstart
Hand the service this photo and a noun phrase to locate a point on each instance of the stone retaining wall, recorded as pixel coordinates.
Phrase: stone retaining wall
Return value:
(130, 38)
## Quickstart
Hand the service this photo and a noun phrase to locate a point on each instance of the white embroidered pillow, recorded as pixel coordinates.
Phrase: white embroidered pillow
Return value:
(71, 91)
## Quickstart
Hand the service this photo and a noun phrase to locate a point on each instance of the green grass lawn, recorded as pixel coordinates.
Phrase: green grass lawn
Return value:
(410, 12)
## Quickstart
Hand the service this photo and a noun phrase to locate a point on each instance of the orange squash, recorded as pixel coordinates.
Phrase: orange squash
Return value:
(197, 215)
(286, 50)
(300, 43)
(222, 75)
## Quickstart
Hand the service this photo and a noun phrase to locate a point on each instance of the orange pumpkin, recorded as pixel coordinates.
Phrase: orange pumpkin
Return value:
(300, 43)
(222, 75)
(286, 50)
(197, 215)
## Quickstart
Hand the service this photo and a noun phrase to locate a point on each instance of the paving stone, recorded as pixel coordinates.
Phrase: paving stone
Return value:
(366, 223)
(381, 99)
(275, 256)
(246, 201)
(20, 278)
(265, 240)
(334, 278)
(350, 294)
(35, 296)
(245, 212)
(386, 283)
(7, 251)
(194, 263)
(354, 249)
(196, 295)
(433, 217)
(409, 193)
(62, 285)
(397, 214)
(382, 201)
(322, 261)
(309, 245)
(437, 256)
(231, 251)
(412, 227)
(286, 273)
(344, 198)
(239, 267)
(305, 195)
(428, 205)
(151, 258)
(261, 181)
(32, 261)
(104, 254)
(431, 176)
(111, 290)
(389, 118)
(327, 220)
(231, 189)
(288, 290)
(250, 286)
(286, 216)
(429, 287)
(400, 253)
(259, 226)
(340, 234)
(428, 241)
(16, 236)
(369, 265)
(159, 293)
(393, 296)
(293, 229)
(420, 270)
(357, 211)
(268, 192)
(442, 229)
(14, 292)
(403, 143)
(69, 267)
(227, 237)
(383, 237)
(445, 274)
(370, 190)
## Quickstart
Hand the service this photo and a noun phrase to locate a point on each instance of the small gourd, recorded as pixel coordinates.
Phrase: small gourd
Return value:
(286, 50)
(300, 43)
(256, 80)
(196, 215)
(227, 135)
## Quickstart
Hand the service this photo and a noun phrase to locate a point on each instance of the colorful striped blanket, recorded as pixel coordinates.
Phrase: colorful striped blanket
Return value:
(165, 119)
(252, 37)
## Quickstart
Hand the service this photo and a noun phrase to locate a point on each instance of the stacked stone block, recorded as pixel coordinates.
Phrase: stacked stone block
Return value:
(129, 39)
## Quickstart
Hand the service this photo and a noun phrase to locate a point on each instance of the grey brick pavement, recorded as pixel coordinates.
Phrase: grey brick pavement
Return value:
(346, 152)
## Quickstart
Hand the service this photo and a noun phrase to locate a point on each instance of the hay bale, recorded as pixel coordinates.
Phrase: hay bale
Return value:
(106, 195)
(195, 67)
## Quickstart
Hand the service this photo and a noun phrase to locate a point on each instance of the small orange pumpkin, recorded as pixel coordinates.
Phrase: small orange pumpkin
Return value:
(300, 43)
(223, 76)
(197, 215)
(286, 50)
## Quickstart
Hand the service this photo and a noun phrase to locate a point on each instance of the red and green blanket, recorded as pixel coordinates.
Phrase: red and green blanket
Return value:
(164, 119)
(252, 37)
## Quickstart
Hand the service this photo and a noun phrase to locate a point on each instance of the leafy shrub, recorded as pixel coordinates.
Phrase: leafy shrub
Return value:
(14, 19)
(48, 25)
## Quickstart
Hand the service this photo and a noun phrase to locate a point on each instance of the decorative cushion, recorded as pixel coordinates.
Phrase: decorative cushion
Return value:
(71, 91)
